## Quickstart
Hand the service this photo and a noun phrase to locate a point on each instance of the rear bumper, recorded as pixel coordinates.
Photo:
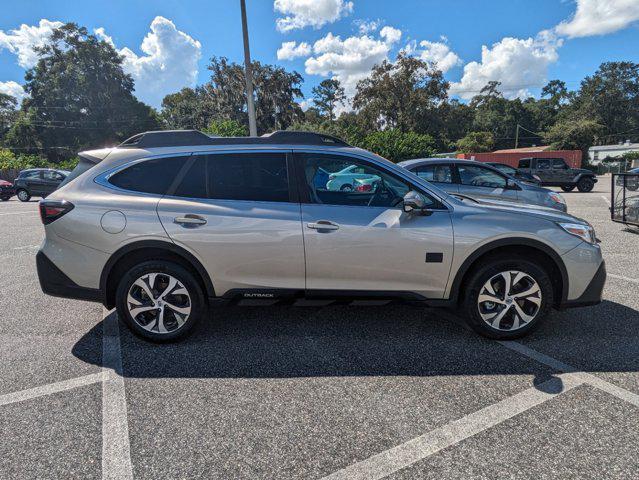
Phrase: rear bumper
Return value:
(55, 283)
(593, 292)
(7, 191)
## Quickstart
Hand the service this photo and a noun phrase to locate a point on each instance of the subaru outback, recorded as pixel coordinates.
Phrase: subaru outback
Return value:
(168, 224)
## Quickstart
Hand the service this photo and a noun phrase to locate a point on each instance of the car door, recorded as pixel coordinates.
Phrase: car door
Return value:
(439, 174)
(561, 171)
(544, 171)
(50, 181)
(237, 213)
(482, 182)
(363, 241)
(33, 182)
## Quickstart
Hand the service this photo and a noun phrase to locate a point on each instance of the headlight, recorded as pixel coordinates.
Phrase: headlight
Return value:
(585, 232)
(556, 198)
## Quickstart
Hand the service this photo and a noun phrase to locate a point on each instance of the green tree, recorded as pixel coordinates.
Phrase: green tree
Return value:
(396, 145)
(574, 135)
(327, 95)
(79, 97)
(8, 113)
(476, 142)
(227, 128)
(275, 90)
(183, 110)
(400, 94)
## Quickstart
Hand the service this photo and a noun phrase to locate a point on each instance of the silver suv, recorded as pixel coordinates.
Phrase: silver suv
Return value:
(170, 223)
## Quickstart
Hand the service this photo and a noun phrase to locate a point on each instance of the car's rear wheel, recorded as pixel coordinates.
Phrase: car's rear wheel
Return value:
(160, 301)
(346, 188)
(23, 195)
(568, 188)
(506, 298)
(585, 184)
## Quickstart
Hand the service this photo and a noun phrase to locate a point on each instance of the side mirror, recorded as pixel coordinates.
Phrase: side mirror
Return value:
(511, 184)
(414, 203)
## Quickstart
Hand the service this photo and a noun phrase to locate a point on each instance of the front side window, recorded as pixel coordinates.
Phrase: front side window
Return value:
(435, 173)
(149, 176)
(343, 180)
(543, 164)
(559, 164)
(260, 177)
(31, 175)
(477, 176)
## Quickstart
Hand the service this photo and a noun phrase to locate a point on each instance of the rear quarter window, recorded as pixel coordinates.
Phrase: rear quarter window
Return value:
(149, 176)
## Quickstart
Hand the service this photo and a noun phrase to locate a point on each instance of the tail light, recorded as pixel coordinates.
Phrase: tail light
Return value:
(52, 210)
(365, 187)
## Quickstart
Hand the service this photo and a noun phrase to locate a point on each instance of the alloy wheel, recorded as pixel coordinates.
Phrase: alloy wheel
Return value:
(159, 303)
(509, 300)
(23, 195)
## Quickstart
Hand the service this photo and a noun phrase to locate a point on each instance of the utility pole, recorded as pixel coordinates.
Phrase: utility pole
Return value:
(249, 73)
(517, 136)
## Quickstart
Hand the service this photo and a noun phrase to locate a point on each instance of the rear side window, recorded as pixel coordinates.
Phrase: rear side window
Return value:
(259, 177)
(435, 173)
(150, 176)
(524, 163)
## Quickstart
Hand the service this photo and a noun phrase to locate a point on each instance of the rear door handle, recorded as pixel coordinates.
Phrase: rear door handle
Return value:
(190, 220)
(323, 225)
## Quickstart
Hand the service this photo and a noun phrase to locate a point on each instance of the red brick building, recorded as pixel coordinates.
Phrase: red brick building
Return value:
(511, 156)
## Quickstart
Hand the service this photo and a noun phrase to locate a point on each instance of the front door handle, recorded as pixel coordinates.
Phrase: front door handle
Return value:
(190, 220)
(323, 225)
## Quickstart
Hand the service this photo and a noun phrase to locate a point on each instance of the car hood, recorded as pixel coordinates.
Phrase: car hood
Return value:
(538, 211)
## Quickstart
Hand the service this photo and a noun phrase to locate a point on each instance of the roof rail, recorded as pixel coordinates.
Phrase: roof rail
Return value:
(178, 138)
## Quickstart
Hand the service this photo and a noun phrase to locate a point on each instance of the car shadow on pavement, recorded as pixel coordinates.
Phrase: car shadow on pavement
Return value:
(393, 340)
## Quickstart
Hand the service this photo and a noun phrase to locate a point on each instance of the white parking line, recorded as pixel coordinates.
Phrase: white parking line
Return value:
(50, 388)
(401, 456)
(621, 277)
(26, 247)
(116, 451)
(606, 200)
(20, 213)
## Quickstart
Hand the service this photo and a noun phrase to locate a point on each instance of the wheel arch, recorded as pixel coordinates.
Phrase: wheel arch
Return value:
(137, 252)
(526, 247)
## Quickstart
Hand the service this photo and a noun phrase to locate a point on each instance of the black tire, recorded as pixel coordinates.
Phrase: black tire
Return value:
(188, 280)
(487, 269)
(23, 195)
(5, 199)
(632, 186)
(346, 188)
(568, 188)
(585, 184)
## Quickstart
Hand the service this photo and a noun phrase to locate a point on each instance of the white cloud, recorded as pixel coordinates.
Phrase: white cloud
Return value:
(305, 104)
(352, 59)
(309, 13)
(14, 89)
(169, 63)
(598, 17)
(440, 54)
(517, 63)
(290, 50)
(101, 34)
(366, 26)
(21, 41)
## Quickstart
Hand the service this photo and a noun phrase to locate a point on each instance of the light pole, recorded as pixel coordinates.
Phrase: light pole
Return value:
(249, 74)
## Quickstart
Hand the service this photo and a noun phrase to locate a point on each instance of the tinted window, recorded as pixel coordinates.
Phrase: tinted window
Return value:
(476, 176)
(435, 173)
(524, 163)
(342, 180)
(149, 176)
(505, 168)
(31, 175)
(558, 163)
(543, 164)
(52, 176)
(239, 176)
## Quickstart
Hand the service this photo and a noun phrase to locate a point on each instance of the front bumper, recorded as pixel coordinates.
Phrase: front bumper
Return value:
(593, 292)
(55, 283)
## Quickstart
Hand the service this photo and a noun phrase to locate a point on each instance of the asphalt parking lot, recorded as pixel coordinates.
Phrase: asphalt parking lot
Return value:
(334, 392)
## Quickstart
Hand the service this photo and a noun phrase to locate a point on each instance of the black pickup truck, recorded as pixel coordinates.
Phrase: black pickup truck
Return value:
(553, 172)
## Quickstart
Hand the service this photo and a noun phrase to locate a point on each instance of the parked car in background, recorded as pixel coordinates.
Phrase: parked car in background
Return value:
(515, 173)
(6, 190)
(631, 181)
(163, 232)
(38, 182)
(554, 172)
(483, 181)
(345, 179)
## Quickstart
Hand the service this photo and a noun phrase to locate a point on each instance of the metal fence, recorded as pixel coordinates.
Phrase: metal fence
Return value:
(625, 198)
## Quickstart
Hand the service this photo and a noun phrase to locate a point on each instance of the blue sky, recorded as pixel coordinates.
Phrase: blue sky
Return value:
(525, 42)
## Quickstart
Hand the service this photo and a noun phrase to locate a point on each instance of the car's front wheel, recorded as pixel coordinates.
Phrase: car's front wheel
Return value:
(23, 195)
(506, 298)
(585, 184)
(160, 301)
